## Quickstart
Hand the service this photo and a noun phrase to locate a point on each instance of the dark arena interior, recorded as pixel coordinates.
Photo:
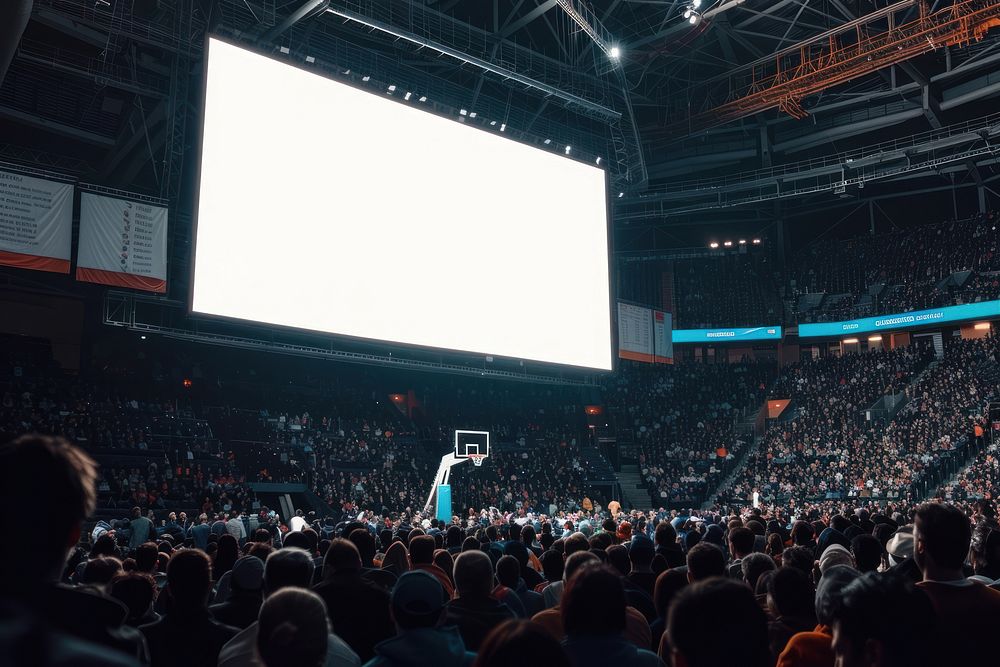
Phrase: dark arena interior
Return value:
(499, 333)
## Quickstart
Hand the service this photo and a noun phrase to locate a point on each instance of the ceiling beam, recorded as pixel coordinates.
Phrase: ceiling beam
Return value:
(527, 18)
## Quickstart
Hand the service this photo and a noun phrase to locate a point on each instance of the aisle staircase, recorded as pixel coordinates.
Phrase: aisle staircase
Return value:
(635, 495)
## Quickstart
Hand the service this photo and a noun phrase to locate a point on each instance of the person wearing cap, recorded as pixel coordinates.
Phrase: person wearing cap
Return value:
(246, 594)
(286, 568)
(418, 612)
(835, 554)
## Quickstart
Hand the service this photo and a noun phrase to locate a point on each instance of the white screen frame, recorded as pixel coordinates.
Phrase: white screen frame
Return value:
(608, 341)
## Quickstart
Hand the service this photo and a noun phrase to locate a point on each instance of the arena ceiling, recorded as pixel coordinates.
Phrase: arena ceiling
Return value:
(108, 90)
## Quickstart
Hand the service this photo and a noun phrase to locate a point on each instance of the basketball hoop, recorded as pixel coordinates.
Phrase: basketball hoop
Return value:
(477, 459)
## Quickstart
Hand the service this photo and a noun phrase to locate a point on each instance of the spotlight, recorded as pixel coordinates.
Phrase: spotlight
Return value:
(392, 88)
(756, 241)
(493, 123)
(407, 96)
(310, 59)
(366, 78)
(694, 19)
(472, 114)
(503, 127)
(568, 149)
(621, 194)
(615, 53)
(598, 160)
(696, 3)
(743, 241)
(728, 244)
(713, 245)
(688, 13)
(142, 338)
(187, 383)
(463, 112)
(423, 98)
(547, 142)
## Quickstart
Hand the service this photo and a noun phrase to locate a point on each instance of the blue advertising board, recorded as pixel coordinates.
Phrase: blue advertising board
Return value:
(735, 335)
(916, 318)
(444, 503)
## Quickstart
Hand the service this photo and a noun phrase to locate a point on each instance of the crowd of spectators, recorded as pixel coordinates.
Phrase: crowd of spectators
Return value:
(829, 450)
(897, 584)
(822, 449)
(729, 290)
(901, 270)
(682, 421)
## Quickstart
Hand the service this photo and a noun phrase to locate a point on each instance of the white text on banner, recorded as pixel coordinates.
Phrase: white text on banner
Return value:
(36, 223)
(122, 243)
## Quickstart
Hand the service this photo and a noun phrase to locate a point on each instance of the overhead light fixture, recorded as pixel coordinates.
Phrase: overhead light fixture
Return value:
(621, 194)
(284, 49)
(743, 241)
(503, 127)
(696, 3)
(568, 149)
(346, 72)
(875, 339)
(850, 341)
(310, 59)
(693, 20)
(366, 78)
(463, 112)
(472, 114)
(688, 12)
(407, 96)
(392, 88)
(982, 326)
(493, 123)
(615, 53)
(142, 337)
(547, 142)
(713, 245)
(756, 241)
(423, 98)
(728, 244)
(598, 159)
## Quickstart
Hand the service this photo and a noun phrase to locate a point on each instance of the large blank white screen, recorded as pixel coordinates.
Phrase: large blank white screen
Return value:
(328, 208)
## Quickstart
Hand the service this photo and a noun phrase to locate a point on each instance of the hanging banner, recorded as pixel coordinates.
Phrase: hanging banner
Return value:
(741, 335)
(635, 332)
(987, 310)
(663, 344)
(36, 223)
(122, 243)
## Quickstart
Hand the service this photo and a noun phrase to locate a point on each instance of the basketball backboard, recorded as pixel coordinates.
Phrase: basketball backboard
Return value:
(472, 444)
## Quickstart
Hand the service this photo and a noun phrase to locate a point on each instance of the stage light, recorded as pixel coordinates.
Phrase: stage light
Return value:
(547, 142)
(503, 127)
(187, 383)
(407, 96)
(688, 13)
(615, 53)
(694, 19)
(728, 244)
(423, 98)
(142, 338)
(713, 245)
(696, 3)
(568, 149)
(743, 241)
(756, 241)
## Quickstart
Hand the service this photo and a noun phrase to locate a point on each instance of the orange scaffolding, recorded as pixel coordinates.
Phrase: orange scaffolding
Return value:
(850, 51)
